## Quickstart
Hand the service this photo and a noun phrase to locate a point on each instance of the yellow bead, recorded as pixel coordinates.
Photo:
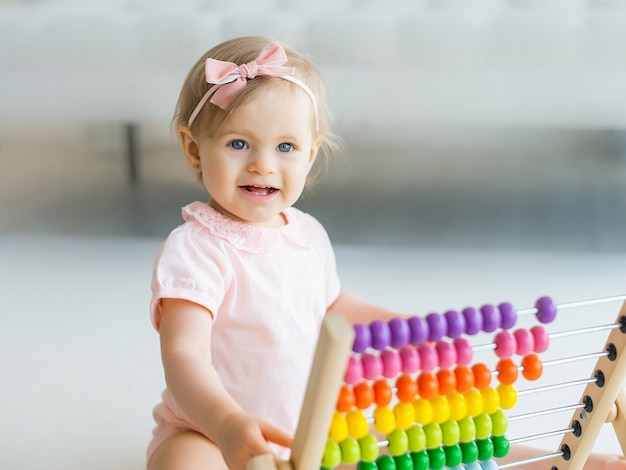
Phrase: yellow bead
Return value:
(357, 424)
(491, 400)
(384, 419)
(441, 409)
(474, 401)
(508, 396)
(338, 427)
(458, 406)
(405, 415)
(423, 411)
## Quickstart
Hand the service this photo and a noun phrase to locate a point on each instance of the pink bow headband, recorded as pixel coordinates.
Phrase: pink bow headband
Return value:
(230, 79)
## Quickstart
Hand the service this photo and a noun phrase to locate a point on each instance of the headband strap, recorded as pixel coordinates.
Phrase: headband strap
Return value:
(230, 79)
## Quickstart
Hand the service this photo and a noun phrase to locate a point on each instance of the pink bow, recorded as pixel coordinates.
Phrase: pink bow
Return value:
(233, 77)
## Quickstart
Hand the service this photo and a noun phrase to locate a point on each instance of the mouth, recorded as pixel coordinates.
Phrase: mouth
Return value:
(259, 190)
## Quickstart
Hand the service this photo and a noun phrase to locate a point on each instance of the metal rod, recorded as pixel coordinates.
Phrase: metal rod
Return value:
(582, 303)
(539, 458)
(534, 414)
(556, 386)
(534, 437)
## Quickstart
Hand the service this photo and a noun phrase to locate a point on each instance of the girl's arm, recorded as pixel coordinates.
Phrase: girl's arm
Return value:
(358, 310)
(185, 333)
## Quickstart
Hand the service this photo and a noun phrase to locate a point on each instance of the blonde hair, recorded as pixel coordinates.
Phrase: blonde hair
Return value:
(240, 51)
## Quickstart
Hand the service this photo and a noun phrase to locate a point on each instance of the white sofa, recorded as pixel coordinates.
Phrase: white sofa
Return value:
(388, 65)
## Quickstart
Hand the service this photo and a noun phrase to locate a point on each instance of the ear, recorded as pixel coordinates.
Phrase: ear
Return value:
(190, 147)
(315, 148)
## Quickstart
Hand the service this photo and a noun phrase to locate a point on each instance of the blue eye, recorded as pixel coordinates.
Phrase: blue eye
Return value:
(285, 147)
(238, 145)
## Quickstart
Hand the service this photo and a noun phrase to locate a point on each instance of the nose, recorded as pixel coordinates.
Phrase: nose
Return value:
(262, 163)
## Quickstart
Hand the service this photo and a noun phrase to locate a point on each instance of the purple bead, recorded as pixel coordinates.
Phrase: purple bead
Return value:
(546, 310)
(362, 338)
(437, 325)
(400, 332)
(473, 321)
(491, 318)
(381, 335)
(419, 330)
(456, 323)
(508, 316)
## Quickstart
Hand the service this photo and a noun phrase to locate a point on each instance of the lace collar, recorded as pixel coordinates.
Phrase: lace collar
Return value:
(246, 237)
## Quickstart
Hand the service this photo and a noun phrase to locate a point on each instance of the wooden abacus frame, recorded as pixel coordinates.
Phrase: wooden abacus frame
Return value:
(605, 399)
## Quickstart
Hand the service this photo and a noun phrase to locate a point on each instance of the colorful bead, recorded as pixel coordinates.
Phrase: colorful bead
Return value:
(403, 462)
(338, 427)
(420, 459)
(474, 401)
(358, 426)
(350, 450)
(332, 455)
(482, 375)
(470, 452)
(381, 334)
(346, 398)
(483, 426)
(362, 338)
(464, 351)
(398, 442)
(437, 458)
(446, 381)
(404, 414)
(456, 323)
(508, 315)
(437, 326)
(441, 409)
(491, 399)
(384, 419)
(533, 367)
(417, 438)
(507, 371)
(372, 366)
(447, 354)
(467, 429)
(391, 363)
(400, 332)
(451, 432)
(382, 392)
(505, 344)
(427, 385)
(363, 395)
(489, 465)
(363, 465)
(508, 396)
(501, 446)
(458, 406)
(386, 462)
(369, 448)
(433, 434)
(464, 378)
(499, 423)
(485, 449)
(428, 357)
(542, 340)
(406, 388)
(525, 341)
(454, 455)
(546, 310)
(354, 371)
(475, 465)
(423, 411)
(473, 321)
(491, 318)
(419, 330)
(410, 359)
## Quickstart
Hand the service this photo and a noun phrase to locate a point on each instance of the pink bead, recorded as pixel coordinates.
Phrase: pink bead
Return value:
(447, 354)
(505, 344)
(410, 360)
(428, 357)
(464, 351)
(542, 340)
(354, 372)
(525, 341)
(372, 366)
(391, 363)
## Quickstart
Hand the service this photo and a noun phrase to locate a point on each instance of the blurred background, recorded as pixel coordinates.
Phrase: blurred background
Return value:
(485, 156)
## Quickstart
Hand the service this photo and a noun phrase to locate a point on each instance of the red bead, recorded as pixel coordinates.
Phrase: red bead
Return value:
(507, 371)
(447, 381)
(482, 375)
(407, 388)
(533, 367)
(346, 399)
(464, 378)
(363, 395)
(382, 392)
(427, 385)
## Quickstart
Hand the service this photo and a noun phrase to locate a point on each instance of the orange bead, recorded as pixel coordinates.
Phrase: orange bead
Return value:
(533, 367)
(363, 395)
(427, 385)
(464, 378)
(447, 381)
(482, 375)
(407, 388)
(382, 392)
(507, 371)
(346, 399)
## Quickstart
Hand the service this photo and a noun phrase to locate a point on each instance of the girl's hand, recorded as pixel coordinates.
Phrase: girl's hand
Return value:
(605, 462)
(243, 436)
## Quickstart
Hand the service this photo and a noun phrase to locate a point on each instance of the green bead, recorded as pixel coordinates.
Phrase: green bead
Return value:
(417, 438)
(369, 448)
(398, 442)
(362, 465)
(386, 462)
(451, 433)
(467, 429)
(404, 462)
(434, 436)
(500, 423)
(470, 452)
(332, 455)
(483, 426)
(454, 456)
(350, 450)
(421, 461)
(485, 449)
(501, 446)
(437, 458)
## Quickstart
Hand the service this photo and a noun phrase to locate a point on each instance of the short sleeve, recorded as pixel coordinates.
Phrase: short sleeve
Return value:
(189, 267)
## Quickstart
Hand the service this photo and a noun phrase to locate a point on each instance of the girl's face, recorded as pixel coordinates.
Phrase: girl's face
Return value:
(257, 165)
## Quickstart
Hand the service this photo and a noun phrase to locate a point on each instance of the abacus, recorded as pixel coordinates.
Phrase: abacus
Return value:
(437, 391)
